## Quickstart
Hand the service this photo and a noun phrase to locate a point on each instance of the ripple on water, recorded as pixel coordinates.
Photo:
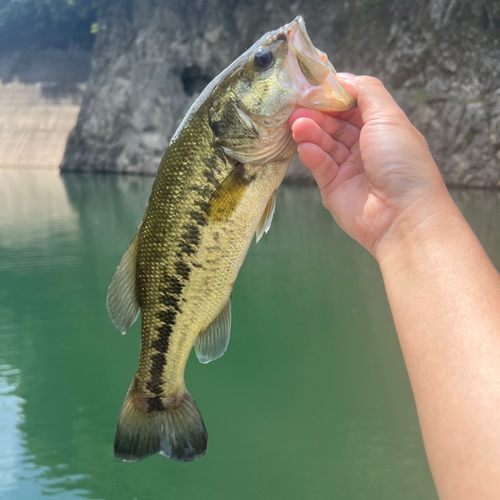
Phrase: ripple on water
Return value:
(36, 215)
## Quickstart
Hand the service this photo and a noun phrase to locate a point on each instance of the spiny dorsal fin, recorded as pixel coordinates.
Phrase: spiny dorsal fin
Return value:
(122, 304)
(212, 343)
(267, 217)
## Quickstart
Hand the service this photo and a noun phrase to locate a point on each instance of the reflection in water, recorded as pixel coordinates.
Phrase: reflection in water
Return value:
(32, 204)
(311, 400)
(10, 418)
(35, 216)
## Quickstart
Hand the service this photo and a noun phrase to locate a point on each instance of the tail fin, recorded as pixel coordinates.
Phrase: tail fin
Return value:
(177, 432)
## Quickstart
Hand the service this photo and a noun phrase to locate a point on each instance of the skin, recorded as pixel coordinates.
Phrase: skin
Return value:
(379, 181)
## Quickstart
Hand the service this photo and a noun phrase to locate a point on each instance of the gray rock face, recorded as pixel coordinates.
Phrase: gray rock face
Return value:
(441, 59)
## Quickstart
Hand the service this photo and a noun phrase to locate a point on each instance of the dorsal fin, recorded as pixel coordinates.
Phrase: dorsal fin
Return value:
(123, 307)
(267, 217)
(212, 343)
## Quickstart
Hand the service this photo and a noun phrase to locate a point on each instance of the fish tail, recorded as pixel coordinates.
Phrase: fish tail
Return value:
(174, 429)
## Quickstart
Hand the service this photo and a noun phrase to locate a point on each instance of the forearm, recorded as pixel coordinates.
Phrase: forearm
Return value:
(445, 298)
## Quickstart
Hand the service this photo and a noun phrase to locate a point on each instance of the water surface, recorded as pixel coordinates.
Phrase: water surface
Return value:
(311, 400)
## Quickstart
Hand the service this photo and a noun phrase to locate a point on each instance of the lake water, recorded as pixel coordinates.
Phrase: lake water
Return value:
(311, 400)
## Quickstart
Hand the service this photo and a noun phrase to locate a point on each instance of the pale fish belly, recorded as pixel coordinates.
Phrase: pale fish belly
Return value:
(211, 273)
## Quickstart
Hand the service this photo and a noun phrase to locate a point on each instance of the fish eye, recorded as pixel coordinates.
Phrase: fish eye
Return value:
(263, 58)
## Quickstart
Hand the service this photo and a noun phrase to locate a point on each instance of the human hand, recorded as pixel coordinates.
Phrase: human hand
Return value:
(376, 174)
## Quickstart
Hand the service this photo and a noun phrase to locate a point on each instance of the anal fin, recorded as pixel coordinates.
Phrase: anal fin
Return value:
(213, 342)
(122, 304)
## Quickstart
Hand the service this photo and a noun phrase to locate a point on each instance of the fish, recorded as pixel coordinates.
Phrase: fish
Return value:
(215, 188)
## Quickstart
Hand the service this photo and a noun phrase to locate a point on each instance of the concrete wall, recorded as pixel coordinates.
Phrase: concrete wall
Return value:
(40, 97)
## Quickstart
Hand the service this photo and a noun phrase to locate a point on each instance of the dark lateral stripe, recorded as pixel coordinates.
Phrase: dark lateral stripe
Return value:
(173, 285)
(168, 316)
(210, 176)
(192, 234)
(204, 205)
(155, 404)
(182, 269)
(159, 358)
(162, 341)
(170, 296)
(170, 300)
(199, 217)
(186, 248)
(154, 384)
(204, 191)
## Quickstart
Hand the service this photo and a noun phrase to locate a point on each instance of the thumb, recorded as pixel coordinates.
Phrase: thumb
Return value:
(374, 100)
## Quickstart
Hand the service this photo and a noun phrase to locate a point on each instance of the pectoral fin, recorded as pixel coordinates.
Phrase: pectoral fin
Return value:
(122, 304)
(267, 217)
(212, 343)
(228, 195)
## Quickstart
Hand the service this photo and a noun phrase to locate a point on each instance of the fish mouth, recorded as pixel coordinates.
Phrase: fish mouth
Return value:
(313, 73)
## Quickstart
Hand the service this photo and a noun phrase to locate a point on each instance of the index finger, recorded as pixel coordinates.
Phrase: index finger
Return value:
(340, 130)
(374, 100)
(353, 116)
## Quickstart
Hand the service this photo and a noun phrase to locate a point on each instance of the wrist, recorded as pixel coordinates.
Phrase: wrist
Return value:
(424, 223)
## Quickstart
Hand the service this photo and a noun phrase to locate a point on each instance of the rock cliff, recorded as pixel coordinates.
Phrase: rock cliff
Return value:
(440, 58)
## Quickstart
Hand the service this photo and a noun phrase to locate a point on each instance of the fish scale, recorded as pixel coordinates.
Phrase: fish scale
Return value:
(214, 190)
(183, 229)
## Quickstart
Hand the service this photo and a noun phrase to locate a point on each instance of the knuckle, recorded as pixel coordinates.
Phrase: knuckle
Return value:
(341, 129)
(331, 147)
(372, 81)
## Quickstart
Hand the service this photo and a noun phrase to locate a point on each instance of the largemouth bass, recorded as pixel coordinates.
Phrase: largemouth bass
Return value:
(215, 188)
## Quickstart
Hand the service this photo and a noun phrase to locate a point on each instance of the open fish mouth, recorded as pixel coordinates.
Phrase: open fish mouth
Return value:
(312, 72)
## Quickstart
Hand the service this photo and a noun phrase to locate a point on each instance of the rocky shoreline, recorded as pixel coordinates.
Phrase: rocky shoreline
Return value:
(439, 58)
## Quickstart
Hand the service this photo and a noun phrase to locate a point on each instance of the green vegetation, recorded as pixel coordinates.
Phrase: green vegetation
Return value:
(47, 24)
(420, 96)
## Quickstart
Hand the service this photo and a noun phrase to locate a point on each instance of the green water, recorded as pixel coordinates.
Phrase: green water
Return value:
(311, 400)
